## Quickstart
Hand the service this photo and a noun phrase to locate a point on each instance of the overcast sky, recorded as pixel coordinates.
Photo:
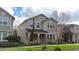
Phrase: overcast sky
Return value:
(24, 9)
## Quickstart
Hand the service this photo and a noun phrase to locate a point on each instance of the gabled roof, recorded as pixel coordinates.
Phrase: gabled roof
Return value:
(33, 17)
(7, 13)
(37, 16)
(51, 19)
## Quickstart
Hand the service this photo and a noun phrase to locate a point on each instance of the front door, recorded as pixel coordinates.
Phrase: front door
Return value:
(43, 38)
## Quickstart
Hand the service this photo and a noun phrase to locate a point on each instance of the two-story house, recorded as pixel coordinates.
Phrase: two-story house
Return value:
(71, 30)
(45, 30)
(6, 24)
(75, 32)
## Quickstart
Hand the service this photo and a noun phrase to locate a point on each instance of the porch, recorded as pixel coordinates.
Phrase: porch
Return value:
(39, 36)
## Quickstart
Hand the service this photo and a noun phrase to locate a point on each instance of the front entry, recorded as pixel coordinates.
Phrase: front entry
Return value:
(43, 38)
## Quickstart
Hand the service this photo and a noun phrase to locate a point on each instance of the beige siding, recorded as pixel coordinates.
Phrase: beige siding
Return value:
(8, 27)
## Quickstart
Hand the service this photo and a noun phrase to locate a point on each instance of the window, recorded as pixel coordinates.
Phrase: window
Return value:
(38, 25)
(50, 26)
(3, 21)
(3, 35)
(41, 17)
(50, 36)
(31, 25)
(53, 36)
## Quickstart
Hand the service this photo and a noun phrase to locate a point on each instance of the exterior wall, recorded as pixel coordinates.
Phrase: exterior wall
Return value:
(52, 30)
(43, 21)
(8, 28)
(76, 33)
(37, 20)
(74, 30)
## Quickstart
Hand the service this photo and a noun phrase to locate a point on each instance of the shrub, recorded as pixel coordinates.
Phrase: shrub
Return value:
(10, 44)
(57, 49)
(44, 48)
(29, 49)
(12, 38)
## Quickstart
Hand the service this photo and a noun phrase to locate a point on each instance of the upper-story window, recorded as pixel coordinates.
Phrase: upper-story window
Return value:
(38, 25)
(31, 25)
(3, 21)
(50, 26)
(41, 18)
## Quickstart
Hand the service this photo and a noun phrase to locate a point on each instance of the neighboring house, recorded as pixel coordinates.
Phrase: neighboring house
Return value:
(6, 24)
(45, 30)
(71, 31)
(75, 32)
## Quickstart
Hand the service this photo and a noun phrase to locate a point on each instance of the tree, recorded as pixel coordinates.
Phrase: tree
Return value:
(32, 32)
(64, 17)
(14, 37)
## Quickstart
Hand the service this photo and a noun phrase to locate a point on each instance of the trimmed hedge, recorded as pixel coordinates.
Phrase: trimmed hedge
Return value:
(9, 44)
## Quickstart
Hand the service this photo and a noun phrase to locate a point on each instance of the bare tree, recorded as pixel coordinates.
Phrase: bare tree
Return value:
(64, 17)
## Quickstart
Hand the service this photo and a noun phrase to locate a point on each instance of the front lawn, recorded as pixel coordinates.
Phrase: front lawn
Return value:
(63, 47)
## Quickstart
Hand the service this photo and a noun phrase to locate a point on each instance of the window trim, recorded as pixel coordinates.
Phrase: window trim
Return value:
(1, 37)
(4, 19)
(38, 25)
(53, 36)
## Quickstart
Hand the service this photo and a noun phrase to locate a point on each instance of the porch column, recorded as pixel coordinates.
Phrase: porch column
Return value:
(39, 38)
(46, 38)
(28, 37)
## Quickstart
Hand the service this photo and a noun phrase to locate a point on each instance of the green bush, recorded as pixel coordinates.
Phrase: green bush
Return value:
(12, 38)
(44, 48)
(8, 44)
(57, 49)
(29, 49)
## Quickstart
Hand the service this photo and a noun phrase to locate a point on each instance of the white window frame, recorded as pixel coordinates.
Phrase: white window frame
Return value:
(3, 36)
(38, 24)
(4, 19)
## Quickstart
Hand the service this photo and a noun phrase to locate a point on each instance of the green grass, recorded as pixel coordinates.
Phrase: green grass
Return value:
(63, 47)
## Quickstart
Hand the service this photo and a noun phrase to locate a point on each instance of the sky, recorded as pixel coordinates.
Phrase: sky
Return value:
(24, 9)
